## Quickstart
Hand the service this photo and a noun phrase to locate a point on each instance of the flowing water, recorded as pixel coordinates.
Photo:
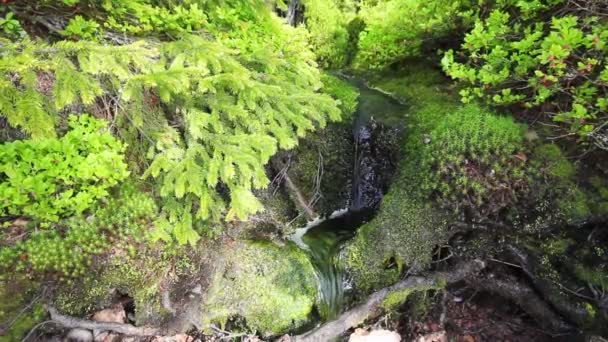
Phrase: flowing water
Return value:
(323, 238)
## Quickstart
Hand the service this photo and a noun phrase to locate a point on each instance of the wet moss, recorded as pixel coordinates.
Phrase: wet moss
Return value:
(416, 296)
(321, 167)
(272, 288)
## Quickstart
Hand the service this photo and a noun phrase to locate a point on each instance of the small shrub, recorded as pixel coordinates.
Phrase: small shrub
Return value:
(53, 178)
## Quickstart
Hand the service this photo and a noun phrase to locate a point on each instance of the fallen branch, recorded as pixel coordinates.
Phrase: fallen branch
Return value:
(359, 314)
(121, 328)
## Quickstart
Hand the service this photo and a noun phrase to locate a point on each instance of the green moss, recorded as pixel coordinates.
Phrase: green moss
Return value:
(342, 91)
(554, 162)
(396, 298)
(273, 288)
(14, 296)
(574, 204)
(594, 276)
(469, 161)
(416, 82)
(403, 234)
(138, 276)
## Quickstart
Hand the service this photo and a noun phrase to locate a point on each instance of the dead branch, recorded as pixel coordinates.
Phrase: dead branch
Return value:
(121, 328)
(293, 189)
(359, 314)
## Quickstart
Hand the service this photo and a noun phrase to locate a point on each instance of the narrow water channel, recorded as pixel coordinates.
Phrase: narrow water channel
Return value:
(324, 237)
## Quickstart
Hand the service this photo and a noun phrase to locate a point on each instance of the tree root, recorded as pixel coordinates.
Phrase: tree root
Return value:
(121, 328)
(525, 297)
(572, 310)
(359, 314)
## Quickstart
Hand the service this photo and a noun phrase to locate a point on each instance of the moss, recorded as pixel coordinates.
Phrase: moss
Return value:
(273, 288)
(332, 147)
(416, 82)
(403, 234)
(554, 162)
(574, 204)
(396, 298)
(344, 92)
(138, 276)
(14, 296)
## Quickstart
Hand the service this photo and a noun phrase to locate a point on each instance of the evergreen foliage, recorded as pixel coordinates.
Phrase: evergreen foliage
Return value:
(228, 105)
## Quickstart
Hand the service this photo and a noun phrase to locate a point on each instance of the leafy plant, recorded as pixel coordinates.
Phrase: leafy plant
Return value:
(11, 26)
(53, 178)
(327, 26)
(81, 28)
(397, 29)
(559, 68)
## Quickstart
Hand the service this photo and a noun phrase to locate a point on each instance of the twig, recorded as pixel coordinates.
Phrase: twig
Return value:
(121, 328)
(506, 263)
(36, 328)
(7, 325)
(360, 313)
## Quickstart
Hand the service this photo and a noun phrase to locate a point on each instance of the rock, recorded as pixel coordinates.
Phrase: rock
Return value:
(440, 336)
(362, 335)
(115, 314)
(79, 335)
(107, 336)
(273, 288)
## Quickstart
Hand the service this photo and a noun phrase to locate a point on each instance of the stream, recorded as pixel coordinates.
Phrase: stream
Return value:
(322, 238)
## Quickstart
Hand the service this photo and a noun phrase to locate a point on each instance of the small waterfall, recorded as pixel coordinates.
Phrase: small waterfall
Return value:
(323, 238)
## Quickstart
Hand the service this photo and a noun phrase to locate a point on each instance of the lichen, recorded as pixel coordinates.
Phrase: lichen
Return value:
(273, 288)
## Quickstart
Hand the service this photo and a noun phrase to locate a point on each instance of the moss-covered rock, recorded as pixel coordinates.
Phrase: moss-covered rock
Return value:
(137, 275)
(404, 234)
(273, 288)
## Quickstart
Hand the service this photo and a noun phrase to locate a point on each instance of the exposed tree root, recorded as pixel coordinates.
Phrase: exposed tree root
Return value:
(570, 308)
(524, 296)
(359, 314)
(126, 329)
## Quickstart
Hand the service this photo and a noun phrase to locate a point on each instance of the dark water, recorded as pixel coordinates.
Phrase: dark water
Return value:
(323, 238)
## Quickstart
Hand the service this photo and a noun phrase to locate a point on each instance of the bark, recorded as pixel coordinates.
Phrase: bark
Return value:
(359, 314)
(126, 329)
